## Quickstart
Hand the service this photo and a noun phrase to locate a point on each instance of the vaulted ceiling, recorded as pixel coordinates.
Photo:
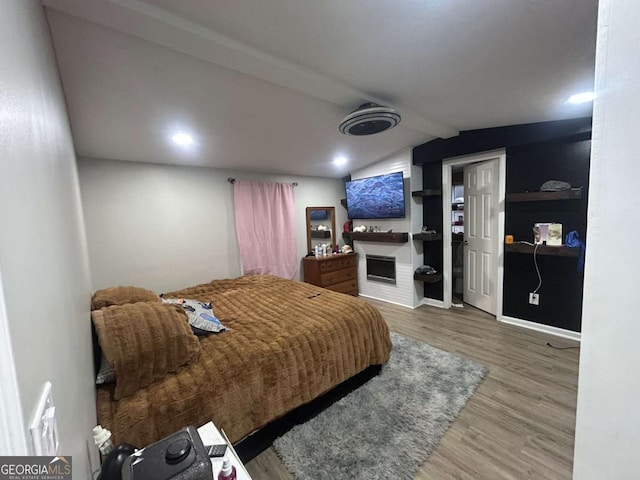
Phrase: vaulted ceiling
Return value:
(263, 84)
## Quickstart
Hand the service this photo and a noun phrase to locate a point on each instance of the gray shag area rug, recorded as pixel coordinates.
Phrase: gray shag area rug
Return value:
(388, 427)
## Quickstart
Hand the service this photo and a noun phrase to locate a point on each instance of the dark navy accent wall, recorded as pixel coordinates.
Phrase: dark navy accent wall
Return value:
(536, 153)
(561, 292)
(432, 218)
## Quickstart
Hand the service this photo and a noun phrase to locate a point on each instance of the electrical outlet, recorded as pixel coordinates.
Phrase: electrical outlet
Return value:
(534, 298)
(44, 428)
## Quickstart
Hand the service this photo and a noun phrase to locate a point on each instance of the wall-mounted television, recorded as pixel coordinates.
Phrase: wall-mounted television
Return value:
(381, 196)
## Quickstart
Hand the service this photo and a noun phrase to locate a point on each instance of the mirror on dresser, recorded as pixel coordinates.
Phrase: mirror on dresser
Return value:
(321, 226)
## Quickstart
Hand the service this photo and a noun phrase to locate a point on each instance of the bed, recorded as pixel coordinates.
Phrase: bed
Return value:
(287, 343)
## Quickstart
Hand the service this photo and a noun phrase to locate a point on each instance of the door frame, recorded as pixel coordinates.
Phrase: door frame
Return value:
(13, 440)
(447, 251)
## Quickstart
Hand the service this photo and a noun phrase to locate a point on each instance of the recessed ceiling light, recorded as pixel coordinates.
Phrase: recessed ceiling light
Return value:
(182, 139)
(340, 160)
(582, 97)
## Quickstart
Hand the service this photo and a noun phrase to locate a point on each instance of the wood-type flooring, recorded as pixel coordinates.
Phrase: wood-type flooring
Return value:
(520, 422)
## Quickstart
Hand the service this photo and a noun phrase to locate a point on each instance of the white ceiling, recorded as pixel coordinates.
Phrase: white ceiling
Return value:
(263, 84)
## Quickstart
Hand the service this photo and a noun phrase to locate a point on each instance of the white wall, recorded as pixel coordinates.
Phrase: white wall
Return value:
(166, 227)
(408, 256)
(42, 245)
(608, 416)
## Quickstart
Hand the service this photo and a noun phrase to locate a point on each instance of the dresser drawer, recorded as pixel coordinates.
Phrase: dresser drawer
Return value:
(349, 287)
(337, 276)
(337, 263)
(337, 272)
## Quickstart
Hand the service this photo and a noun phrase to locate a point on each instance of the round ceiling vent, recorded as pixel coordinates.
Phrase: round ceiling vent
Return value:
(369, 119)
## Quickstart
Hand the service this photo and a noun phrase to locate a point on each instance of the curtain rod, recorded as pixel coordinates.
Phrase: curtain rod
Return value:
(233, 180)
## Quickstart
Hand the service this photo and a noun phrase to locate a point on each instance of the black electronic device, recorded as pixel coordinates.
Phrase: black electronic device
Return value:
(376, 197)
(180, 456)
(216, 450)
(112, 465)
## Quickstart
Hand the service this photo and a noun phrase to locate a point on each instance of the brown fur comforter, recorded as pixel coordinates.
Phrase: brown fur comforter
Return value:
(288, 342)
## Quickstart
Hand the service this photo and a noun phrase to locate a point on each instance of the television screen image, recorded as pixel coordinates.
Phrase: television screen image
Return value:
(319, 215)
(376, 197)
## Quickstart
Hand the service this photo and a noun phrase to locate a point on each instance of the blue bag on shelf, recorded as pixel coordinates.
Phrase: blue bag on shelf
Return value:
(573, 240)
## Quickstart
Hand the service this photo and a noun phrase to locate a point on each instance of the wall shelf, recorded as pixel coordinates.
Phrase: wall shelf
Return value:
(573, 194)
(559, 251)
(433, 278)
(383, 237)
(430, 192)
(427, 237)
(320, 233)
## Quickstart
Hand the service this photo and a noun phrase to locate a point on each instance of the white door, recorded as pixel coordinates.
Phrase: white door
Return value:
(480, 235)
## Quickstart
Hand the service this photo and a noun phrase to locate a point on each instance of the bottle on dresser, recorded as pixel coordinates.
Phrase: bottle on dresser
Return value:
(228, 471)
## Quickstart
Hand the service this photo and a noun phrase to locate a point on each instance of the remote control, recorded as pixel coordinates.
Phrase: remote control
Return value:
(217, 450)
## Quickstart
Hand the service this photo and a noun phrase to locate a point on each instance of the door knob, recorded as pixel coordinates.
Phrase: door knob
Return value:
(466, 243)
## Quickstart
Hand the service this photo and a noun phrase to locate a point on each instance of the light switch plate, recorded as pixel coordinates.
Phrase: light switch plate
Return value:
(44, 428)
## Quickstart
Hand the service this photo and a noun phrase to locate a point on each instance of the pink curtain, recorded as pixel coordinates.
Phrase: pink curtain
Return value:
(265, 226)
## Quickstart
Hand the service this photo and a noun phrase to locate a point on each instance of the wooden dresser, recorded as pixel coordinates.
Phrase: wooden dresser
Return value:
(335, 272)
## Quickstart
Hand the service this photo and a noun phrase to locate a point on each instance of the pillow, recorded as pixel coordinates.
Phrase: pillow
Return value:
(121, 296)
(144, 342)
(201, 317)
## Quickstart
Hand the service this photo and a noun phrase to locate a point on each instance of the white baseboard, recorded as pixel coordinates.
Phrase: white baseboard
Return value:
(384, 300)
(539, 327)
(432, 302)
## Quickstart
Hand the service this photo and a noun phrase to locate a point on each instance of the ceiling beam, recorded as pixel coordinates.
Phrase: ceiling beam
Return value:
(156, 25)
